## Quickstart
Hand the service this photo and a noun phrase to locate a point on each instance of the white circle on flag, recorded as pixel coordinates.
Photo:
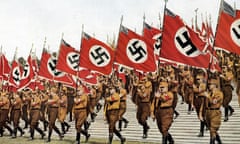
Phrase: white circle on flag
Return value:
(184, 46)
(72, 59)
(137, 51)
(235, 32)
(99, 56)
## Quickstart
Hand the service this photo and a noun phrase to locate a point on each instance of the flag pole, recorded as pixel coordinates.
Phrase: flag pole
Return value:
(211, 52)
(78, 69)
(164, 11)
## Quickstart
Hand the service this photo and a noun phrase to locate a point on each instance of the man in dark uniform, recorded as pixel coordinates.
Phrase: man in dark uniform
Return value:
(162, 110)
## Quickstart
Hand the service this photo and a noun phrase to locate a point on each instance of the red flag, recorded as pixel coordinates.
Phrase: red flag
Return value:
(48, 69)
(5, 68)
(68, 59)
(228, 30)
(27, 73)
(15, 75)
(96, 55)
(180, 44)
(119, 69)
(135, 51)
(150, 32)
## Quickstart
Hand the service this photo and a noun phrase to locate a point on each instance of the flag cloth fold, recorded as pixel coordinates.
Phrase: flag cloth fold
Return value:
(181, 44)
(96, 55)
(135, 51)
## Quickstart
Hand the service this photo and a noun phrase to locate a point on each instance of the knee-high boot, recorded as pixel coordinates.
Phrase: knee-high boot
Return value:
(218, 139)
(110, 138)
(201, 133)
(226, 114)
(212, 140)
(125, 121)
(78, 138)
(63, 128)
(164, 139)
(31, 134)
(86, 134)
(120, 125)
(49, 135)
(170, 139)
(67, 125)
(21, 131)
(119, 136)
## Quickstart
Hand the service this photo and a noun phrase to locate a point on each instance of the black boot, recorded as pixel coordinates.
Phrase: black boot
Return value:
(26, 125)
(41, 132)
(212, 140)
(31, 134)
(164, 140)
(145, 131)
(49, 136)
(21, 131)
(170, 139)
(231, 110)
(189, 108)
(59, 133)
(45, 125)
(119, 136)
(201, 133)
(14, 135)
(86, 125)
(176, 114)
(120, 125)
(86, 134)
(226, 114)
(67, 125)
(125, 122)
(63, 128)
(78, 138)
(9, 129)
(1, 132)
(110, 138)
(93, 116)
(218, 139)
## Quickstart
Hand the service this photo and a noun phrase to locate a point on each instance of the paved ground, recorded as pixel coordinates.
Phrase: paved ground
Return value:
(184, 129)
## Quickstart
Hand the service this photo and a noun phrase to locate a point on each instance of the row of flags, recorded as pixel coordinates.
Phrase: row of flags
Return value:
(175, 43)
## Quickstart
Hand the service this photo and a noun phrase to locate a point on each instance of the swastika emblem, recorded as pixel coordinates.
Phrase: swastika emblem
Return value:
(137, 51)
(184, 44)
(157, 44)
(235, 32)
(99, 56)
(73, 60)
(51, 65)
(26, 71)
(16, 75)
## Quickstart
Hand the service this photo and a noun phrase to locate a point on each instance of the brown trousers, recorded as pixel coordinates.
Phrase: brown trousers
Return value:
(213, 119)
(34, 118)
(112, 118)
(80, 117)
(143, 112)
(164, 119)
(52, 116)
